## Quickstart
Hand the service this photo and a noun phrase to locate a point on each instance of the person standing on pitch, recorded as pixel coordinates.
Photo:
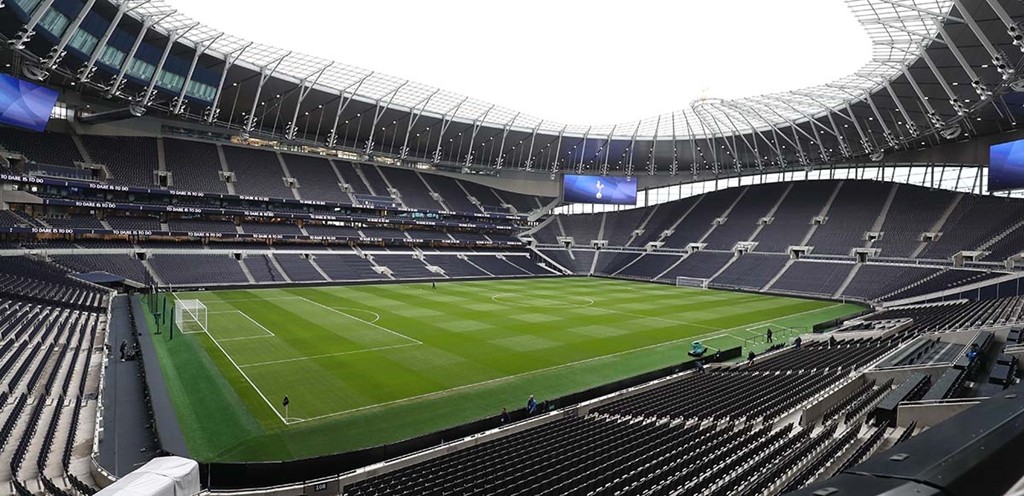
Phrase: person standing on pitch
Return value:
(768, 336)
(433, 284)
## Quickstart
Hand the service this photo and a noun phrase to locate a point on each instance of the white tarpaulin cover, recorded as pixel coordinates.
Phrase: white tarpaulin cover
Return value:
(164, 476)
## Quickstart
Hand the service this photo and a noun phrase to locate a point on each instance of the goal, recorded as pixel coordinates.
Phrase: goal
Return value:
(692, 282)
(190, 316)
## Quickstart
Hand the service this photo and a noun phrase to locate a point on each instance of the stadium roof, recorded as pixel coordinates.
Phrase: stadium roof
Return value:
(899, 31)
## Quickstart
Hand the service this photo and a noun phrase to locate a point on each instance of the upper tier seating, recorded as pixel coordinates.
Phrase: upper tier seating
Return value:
(742, 220)
(914, 210)
(792, 219)
(373, 179)
(130, 160)
(315, 177)
(45, 148)
(850, 216)
(582, 228)
(351, 177)
(257, 172)
(619, 226)
(700, 219)
(452, 193)
(194, 166)
(975, 220)
(414, 192)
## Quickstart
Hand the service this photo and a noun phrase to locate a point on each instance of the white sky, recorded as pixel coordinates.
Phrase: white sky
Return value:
(570, 61)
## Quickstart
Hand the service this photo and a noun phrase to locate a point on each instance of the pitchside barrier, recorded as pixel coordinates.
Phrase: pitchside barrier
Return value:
(241, 475)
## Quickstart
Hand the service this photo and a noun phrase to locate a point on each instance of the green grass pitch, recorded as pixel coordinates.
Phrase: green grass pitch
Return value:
(367, 365)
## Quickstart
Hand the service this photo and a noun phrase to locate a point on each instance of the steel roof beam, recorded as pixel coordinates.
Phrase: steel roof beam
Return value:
(378, 112)
(533, 141)
(87, 69)
(446, 121)
(57, 52)
(504, 135)
(265, 73)
(998, 58)
(200, 48)
(472, 138)
(1013, 28)
(213, 111)
(632, 150)
(923, 10)
(28, 30)
(115, 84)
(305, 86)
(976, 82)
(172, 37)
(651, 167)
(414, 117)
(332, 137)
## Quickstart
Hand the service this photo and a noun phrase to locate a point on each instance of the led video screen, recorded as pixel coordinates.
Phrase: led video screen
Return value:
(1006, 166)
(599, 189)
(24, 104)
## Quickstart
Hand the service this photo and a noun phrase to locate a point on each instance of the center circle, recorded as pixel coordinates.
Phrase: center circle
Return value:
(536, 301)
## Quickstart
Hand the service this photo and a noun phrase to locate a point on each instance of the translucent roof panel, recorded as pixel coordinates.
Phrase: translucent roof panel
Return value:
(899, 30)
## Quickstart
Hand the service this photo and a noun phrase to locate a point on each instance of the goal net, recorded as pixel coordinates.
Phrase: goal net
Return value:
(190, 316)
(692, 282)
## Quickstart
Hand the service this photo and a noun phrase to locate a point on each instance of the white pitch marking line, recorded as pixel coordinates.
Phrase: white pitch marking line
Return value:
(361, 320)
(330, 355)
(245, 337)
(257, 323)
(240, 371)
(702, 337)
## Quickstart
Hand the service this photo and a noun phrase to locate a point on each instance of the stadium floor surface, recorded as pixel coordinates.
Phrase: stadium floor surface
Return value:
(371, 364)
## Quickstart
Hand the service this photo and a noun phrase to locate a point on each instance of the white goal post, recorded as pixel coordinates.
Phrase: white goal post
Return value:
(692, 282)
(190, 316)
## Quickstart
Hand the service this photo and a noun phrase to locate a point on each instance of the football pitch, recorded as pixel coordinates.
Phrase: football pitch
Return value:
(371, 364)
